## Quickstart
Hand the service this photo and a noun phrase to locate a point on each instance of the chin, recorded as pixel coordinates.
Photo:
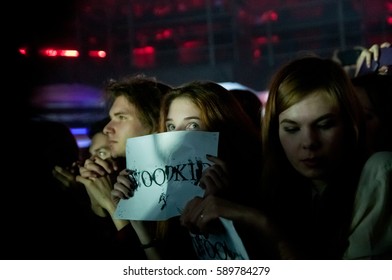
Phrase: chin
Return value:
(313, 174)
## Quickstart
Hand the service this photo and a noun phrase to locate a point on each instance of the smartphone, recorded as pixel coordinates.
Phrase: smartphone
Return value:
(384, 59)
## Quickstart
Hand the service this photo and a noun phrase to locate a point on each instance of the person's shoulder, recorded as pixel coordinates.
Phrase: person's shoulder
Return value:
(378, 164)
(380, 158)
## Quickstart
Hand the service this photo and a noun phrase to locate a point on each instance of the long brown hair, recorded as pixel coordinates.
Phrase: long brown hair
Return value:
(239, 139)
(289, 194)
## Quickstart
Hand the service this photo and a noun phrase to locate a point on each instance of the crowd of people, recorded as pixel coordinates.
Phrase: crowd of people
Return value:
(318, 165)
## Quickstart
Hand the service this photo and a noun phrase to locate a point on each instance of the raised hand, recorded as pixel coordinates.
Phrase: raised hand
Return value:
(124, 187)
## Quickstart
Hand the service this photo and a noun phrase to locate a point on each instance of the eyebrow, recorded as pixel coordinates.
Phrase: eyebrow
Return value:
(187, 118)
(319, 119)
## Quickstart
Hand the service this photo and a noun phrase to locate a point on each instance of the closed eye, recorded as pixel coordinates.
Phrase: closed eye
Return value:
(327, 124)
(291, 129)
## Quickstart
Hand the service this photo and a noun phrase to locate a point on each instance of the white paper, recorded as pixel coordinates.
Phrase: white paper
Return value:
(225, 246)
(167, 168)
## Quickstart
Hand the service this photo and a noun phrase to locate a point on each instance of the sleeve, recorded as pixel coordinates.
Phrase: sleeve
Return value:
(371, 227)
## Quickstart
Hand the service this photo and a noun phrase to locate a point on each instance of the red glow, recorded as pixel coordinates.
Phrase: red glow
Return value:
(389, 6)
(69, 53)
(23, 51)
(262, 40)
(256, 54)
(190, 52)
(273, 16)
(164, 34)
(191, 44)
(144, 50)
(97, 53)
(270, 15)
(144, 57)
(389, 20)
(54, 52)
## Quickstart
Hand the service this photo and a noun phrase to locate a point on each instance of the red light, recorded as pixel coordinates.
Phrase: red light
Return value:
(69, 53)
(191, 52)
(389, 20)
(389, 6)
(48, 52)
(262, 40)
(273, 16)
(23, 51)
(100, 54)
(191, 44)
(144, 57)
(270, 15)
(54, 52)
(256, 54)
(144, 50)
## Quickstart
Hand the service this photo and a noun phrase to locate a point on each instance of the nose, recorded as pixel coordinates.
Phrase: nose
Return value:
(310, 139)
(108, 128)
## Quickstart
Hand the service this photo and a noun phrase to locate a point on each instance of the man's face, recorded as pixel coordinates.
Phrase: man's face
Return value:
(124, 123)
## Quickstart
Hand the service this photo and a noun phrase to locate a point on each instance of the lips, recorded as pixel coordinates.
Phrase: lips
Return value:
(311, 162)
(112, 142)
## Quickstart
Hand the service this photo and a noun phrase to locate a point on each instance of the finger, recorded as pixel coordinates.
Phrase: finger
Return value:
(126, 183)
(375, 51)
(218, 163)
(65, 173)
(216, 176)
(190, 211)
(117, 195)
(125, 191)
(109, 165)
(85, 173)
(91, 167)
(83, 180)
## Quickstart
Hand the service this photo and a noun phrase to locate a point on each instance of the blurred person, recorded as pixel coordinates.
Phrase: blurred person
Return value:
(371, 227)
(251, 104)
(375, 94)
(207, 106)
(99, 145)
(52, 226)
(373, 85)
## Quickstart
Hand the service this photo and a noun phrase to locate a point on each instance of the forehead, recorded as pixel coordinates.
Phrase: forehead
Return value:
(311, 107)
(183, 105)
(121, 104)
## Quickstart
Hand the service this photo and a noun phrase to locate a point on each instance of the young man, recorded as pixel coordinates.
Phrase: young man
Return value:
(134, 111)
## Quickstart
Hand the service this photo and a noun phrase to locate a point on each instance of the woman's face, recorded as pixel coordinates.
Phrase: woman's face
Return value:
(312, 135)
(183, 115)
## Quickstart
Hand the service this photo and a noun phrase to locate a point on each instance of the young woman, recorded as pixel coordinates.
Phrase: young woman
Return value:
(313, 140)
(314, 155)
(207, 106)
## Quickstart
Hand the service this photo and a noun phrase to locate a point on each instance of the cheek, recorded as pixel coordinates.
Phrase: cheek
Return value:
(334, 142)
(288, 143)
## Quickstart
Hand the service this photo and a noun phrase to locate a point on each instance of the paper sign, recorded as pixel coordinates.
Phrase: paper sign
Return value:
(225, 246)
(167, 168)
